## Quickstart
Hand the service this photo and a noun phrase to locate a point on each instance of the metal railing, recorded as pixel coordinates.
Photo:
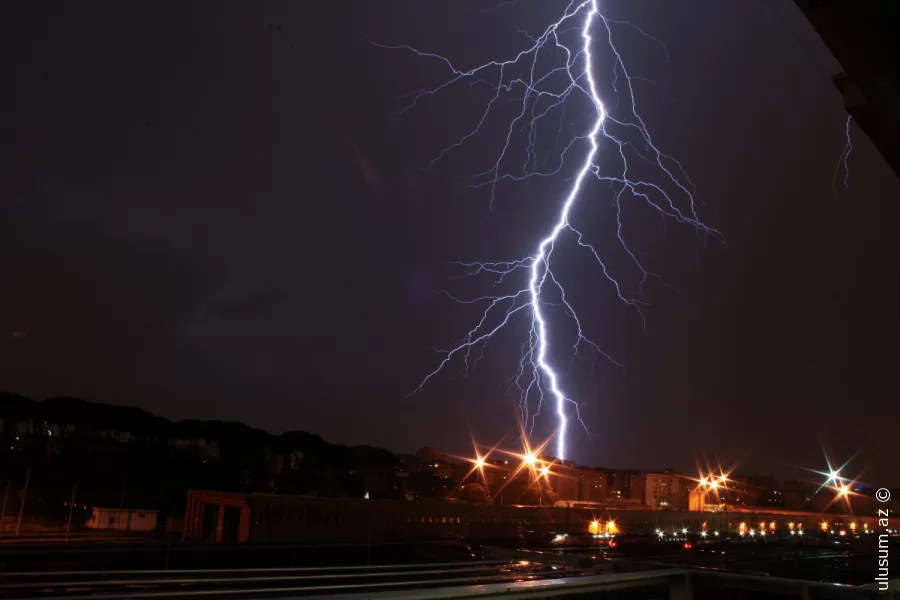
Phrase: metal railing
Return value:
(435, 581)
(674, 584)
(260, 582)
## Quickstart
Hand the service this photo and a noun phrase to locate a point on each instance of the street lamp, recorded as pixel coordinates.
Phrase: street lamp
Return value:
(712, 483)
(723, 481)
(843, 492)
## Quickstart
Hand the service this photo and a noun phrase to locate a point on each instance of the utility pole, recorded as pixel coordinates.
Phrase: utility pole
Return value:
(122, 501)
(726, 519)
(727, 541)
(22, 503)
(3, 512)
(71, 508)
(169, 526)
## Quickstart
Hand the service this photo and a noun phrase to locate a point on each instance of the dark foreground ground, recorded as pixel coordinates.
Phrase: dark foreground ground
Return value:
(49, 567)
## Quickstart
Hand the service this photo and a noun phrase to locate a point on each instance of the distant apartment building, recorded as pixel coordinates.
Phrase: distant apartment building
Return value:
(666, 490)
(682, 486)
(699, 502)
(657, 489)
(577, 484)
(591, 485)
(552, 460)
(438, 463)
(564, 486)
(796, 495)
(495, 475)
(406, 464)
(491, 479)
(443, 470)
(430, 455)
(754, 490)
(624, 485)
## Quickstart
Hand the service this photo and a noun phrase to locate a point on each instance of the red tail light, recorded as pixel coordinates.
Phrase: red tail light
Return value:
(612, 544)
(687, 546)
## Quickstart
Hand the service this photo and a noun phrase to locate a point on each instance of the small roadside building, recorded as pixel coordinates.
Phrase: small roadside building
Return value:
(127, 519)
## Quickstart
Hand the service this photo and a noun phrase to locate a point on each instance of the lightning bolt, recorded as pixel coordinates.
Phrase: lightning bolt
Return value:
(549, 74)
(842, 160)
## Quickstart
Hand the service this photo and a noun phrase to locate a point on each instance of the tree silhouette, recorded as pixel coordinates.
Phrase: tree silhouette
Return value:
(125, 455)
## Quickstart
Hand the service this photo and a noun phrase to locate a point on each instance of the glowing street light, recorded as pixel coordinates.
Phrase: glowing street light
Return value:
(530, 459)
(545, 470)
(479, 462)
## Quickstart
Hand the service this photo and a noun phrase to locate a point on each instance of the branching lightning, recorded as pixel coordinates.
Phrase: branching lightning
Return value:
(543, 93)
(842, 160)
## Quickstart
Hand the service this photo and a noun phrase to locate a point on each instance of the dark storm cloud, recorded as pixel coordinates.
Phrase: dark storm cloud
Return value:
(188, 231)
(100, 311)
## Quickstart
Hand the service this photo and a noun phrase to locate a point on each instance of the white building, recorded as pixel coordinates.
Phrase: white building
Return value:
(123, 518)
(658, 487)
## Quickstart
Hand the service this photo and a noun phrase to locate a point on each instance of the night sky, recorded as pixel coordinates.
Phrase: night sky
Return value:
(212, 210)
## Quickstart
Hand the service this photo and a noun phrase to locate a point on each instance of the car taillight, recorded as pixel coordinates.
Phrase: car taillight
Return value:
(612, 544)
(687, 545)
